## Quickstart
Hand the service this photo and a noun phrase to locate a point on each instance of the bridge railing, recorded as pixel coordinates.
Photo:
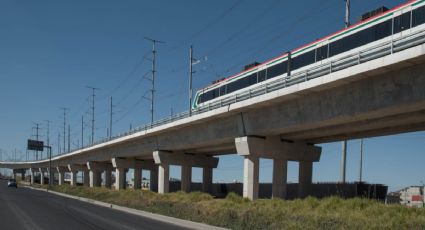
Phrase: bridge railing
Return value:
(377, 51)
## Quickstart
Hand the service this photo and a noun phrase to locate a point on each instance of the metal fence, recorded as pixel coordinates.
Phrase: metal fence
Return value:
(380, 50)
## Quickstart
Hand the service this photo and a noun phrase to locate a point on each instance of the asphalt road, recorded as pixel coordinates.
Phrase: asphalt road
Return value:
(25, 208)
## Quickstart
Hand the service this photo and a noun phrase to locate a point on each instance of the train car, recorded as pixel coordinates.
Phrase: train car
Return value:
(377, 26)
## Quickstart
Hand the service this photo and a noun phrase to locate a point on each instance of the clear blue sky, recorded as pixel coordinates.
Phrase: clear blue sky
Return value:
(51, 50)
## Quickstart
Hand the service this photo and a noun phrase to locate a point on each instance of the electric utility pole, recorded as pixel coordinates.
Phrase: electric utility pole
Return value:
(344, 143)
(154, 41)
(92, 112)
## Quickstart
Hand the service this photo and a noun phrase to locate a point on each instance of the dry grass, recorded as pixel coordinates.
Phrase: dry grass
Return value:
(237, 213)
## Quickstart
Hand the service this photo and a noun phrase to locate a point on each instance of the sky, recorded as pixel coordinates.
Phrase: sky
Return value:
(52, 51)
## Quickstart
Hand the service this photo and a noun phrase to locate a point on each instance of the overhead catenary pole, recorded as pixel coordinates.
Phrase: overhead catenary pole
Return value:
(344, 143)
(64, 128)
(69, 138)
(190, 79)
(154, 41)
(82, 131)
(92, 114)
(361, 161)
(347, 13)
(36, 137)
(110, 121)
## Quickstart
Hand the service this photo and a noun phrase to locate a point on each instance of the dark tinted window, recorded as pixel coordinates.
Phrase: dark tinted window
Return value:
(322, 53)
(419, 16)
(261, 75)
(232, 87)
(222, 90)
(383, 29)
(402, 22)
(303, 59)
(276, 70)
(360, 38)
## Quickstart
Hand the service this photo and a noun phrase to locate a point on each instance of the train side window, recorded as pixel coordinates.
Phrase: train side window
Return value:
(261, 75)
(276, 70)
(232, 87)
(252, 79)
(418, 16)
(383, 29)
(303, 59)
(322, 53)
(402, 22)
(222, 90)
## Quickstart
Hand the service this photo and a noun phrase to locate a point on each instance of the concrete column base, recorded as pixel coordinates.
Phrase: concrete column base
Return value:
(137, 178)
(120, 178)
(108, 178)
(305, 178)
(186, 178)
(207, 179)
(163, 178)
(61, 177)
(153, 183)
(95, 178)
(42, 178)
(73, 178)
(86, 178)
(251, 177)
(280, 171)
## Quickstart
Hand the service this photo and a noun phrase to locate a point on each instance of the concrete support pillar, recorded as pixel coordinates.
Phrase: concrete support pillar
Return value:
(207, 179)
(73, 178)
(61, 174)
(32, 176)
(153, 183)
(61, 177)
(163, 178)
(280, 151)
(86, 178)
(95, 178)
(108, 178)
(305, 178)
(120, 178)
(41, 177)
(186, 178)
(280, 171)
(164, 159)
(250, 177)
(137, 178)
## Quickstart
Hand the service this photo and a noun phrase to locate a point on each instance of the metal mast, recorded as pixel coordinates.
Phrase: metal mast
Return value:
(92, 113)
(154, 41)
(190, 79)
(347, 13)
(64, 129)
(361, 160)
(344, 143)
(110, 121)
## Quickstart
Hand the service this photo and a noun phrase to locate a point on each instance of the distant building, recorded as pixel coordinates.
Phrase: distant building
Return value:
(412, 196)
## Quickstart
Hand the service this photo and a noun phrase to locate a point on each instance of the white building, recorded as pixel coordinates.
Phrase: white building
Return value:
(412, 196)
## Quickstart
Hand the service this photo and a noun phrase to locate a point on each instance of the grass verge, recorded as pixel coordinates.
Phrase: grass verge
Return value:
(236, 212)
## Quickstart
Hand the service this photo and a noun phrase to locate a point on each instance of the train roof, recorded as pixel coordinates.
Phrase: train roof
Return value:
(306, 46)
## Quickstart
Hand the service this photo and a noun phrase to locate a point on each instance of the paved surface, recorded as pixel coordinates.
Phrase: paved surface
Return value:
(25, 208)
